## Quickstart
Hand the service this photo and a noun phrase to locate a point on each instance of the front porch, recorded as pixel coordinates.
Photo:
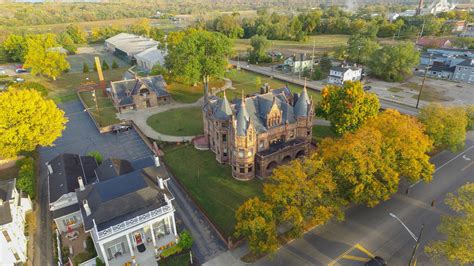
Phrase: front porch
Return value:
(75, 240)
(140, 245)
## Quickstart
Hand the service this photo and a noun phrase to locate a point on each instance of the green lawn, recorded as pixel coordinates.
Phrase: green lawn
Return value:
(106, 114)
(178, 122)
(245, 80)
(64, 88)
(211, 184)
(176, 260)
(183, 93)
(322, 43)
(320, 132)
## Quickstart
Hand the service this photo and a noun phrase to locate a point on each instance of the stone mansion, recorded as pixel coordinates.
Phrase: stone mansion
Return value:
(260, 131)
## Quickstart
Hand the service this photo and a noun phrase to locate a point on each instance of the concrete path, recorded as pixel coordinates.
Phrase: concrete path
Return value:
(141, 116)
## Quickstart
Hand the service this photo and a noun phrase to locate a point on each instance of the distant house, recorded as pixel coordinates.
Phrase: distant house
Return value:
(340, 74)
(468, 30)
(456, 25)
(297, 65)
(66, 173)
(441, 71)
(429, 42)
(139, 93)
(126, 45)
(13, 207)
(149, 58)
(465, 71)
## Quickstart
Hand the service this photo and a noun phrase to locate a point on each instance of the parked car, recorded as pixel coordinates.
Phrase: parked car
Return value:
(2, 71)
(19, 80)
(20, 70)
(376, 261)
(121, 128)
(367, 88)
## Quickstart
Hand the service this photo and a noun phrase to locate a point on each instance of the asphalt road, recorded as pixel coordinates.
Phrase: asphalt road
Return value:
(318, 85)
(372, 231)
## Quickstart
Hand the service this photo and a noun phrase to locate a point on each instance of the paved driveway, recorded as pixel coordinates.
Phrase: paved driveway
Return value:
(81, 137)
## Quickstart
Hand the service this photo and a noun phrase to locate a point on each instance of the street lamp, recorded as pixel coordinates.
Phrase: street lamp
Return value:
(417, 239)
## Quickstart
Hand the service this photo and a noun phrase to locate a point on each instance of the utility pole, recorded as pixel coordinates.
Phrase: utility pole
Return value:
(416, 246)
(421, 32)
(423, 82)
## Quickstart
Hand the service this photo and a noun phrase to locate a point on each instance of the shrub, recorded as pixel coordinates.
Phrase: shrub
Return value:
(26, 177)
(64, 254)
(317, 74)
(85, 68)
(105, 66)
(470, 117)
(114, 64)
(99, 262)
(98, 157)
(171, 251)
(90, 246)
(185, 240)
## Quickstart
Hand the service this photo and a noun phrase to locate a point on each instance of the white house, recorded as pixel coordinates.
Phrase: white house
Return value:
(340, 74)
(128, 212)
(295, 65)
(149, 58)
(130, 217)
(13, 207)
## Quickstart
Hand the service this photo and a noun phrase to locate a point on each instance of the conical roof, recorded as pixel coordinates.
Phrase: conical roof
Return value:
(242, 118)
(223, 111)
(301, 106)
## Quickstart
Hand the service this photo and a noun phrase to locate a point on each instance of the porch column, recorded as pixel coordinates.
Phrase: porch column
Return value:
(131, 249)
(153, 238)
(174, 225)
(104, 255)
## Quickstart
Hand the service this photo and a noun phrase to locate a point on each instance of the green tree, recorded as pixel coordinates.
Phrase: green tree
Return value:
(85, 68)
(229, 25)
(317, 73)
(114, 64)
(256, 223)
(105, 66)
(446, 126)
(394, 63)
(26, 177)
(347, 107)
(141, 27)
(78, 35)
(27, 120)
(199, 56)
(458, 229)
(303, 191)
(67, 42)
(470, 117)
(259, 48)
(361, 48)
(97, 156)
(42, 59)
(258, 82)
(325, 63)
(15, 47)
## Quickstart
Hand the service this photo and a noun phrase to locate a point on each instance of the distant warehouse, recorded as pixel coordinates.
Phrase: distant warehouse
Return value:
(126, 46)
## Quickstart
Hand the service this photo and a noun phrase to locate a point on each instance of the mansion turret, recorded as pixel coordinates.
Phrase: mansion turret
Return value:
(256, 133)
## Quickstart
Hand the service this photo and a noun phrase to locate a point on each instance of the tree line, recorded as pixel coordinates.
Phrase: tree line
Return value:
(364, 165)
(330, 20)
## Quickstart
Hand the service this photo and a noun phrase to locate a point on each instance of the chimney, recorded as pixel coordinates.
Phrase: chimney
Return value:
(161, 183)
(157, 161)
(86, 207)
(81, 183)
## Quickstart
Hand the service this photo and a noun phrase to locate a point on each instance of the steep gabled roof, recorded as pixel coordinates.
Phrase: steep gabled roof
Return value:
(301, 106)
(223, 110)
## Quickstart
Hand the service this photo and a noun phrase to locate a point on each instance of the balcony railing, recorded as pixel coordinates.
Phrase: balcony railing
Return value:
(134, 221)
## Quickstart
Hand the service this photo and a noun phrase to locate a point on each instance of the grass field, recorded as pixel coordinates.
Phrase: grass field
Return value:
(178, 122)
(106, 114)
(320, 132)
(211, 184)
(322, 43)
(164, 24)
(245, 80)
(64, 88)
(176, 260)
(183, 93)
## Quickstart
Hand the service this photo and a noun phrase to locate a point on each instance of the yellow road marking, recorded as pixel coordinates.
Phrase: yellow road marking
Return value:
(340, 256)
(467, 166)
(350, 257)
(361, 248)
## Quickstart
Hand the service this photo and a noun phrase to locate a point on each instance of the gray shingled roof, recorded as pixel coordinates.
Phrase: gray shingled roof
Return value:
(6, 188)
(123, 90)
(121, 198)
(113, 167)
(242, 119)
(65, 211)
(466, 63)
(66, 169)
(223, 110)
(301, 106)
